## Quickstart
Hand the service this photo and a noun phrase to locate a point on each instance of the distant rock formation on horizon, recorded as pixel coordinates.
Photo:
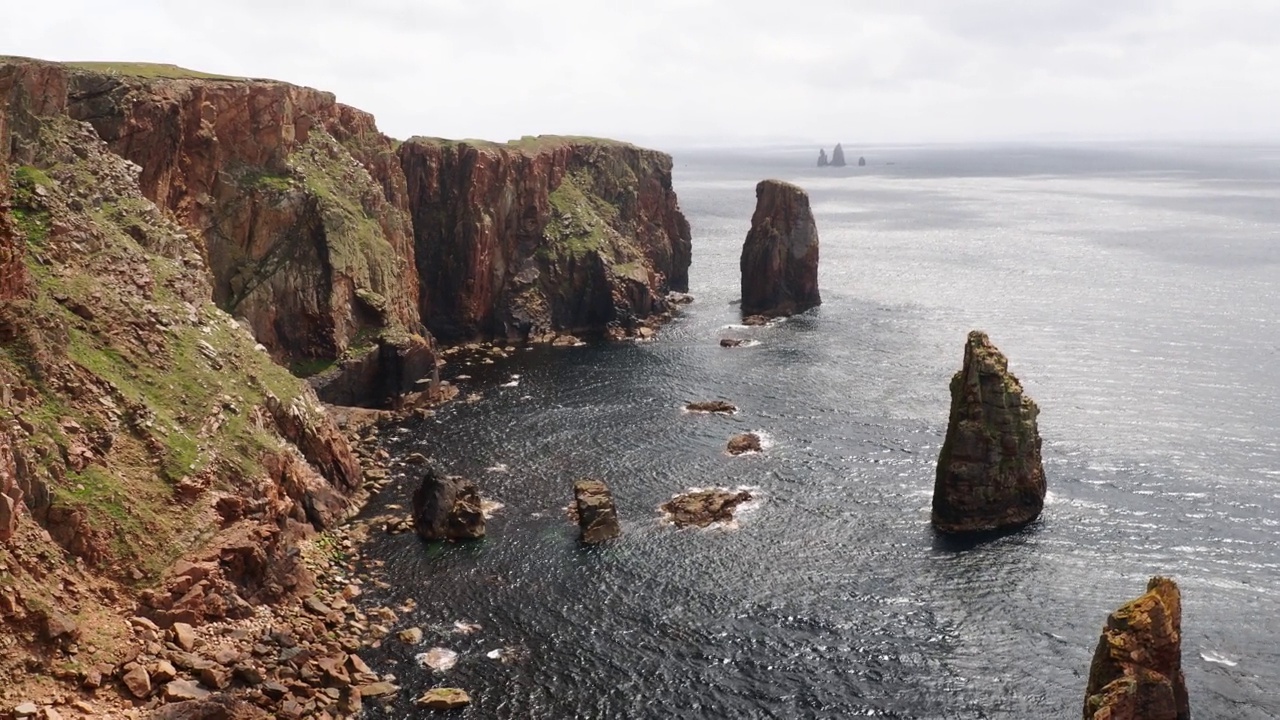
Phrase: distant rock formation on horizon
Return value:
(837, 156)
(990, 476)
(780, 256)
(822, 158)
(862, 162)
(1136, 673)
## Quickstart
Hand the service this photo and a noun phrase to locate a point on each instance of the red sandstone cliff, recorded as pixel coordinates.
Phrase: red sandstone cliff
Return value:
(545, 234)
(298, 199)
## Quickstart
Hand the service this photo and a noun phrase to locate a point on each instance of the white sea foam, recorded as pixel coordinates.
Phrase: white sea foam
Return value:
(1218, 659)
(499, 468)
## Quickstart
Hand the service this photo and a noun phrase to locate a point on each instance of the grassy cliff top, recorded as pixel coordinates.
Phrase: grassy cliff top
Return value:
(148, 70)
(528, 143)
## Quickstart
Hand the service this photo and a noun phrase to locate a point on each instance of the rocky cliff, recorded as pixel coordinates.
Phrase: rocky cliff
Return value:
(297, 201)
(543, 235)
(1136, 673)
(139, 422)
(990, 476)
(779, 260)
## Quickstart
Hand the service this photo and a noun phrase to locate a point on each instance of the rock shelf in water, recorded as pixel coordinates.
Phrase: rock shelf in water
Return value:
(701, 508)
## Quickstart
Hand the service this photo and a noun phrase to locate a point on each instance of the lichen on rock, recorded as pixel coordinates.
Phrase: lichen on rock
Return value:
(990, 476)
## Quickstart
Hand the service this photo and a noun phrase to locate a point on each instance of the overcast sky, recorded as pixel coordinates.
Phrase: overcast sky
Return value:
(722, 71)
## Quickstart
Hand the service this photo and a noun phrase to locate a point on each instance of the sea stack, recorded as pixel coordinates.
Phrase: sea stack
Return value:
(447, 508)
(822, 158)
(862, 162)
(597, 516)
(837, 156)
(989, 472)
(1136, 673)
(780, 256)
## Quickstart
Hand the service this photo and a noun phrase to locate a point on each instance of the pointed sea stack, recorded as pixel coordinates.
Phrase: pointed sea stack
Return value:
(822, 158)
(1136, 673)
(837, 156)
(989, 472)
(597, 516)
(780, 256)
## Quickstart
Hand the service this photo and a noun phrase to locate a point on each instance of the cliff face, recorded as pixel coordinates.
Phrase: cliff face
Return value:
(779, 261)
(297, 202)
(138, 421)
(990, 476)
(1136, 673)
(543, 235)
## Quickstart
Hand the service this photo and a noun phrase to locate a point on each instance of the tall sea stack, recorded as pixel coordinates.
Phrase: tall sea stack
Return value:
(989, 472)
(837, 156)
(780, 256)
(1136, 673)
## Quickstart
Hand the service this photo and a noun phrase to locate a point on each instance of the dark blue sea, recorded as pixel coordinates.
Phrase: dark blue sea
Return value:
(1136, 292)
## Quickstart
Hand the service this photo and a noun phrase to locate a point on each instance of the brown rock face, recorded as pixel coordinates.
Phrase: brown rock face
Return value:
(1136, 672)
(544, 235)
(780, 256)
(989, 472)
(297, 201)
(447, 508)
(744, 443)
(597, 516)
(397, 366)
(701, 508)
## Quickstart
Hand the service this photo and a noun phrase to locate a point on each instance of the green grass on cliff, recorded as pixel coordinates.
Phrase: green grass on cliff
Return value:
(28, 212)
(147, 70)
(526, 144)
(579, 221)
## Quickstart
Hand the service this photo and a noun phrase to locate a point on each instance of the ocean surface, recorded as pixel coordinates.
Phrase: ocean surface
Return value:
(1135, 290)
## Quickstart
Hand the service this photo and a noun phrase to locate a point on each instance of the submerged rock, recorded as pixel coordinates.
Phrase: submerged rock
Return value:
(744, 443)
(1136, 673)
(704, 507)
(597, 516)
(779, 261)
(990, 476)
(711, 406)
(444, 699)
(447, 508)
(731, 342)
(755, 320)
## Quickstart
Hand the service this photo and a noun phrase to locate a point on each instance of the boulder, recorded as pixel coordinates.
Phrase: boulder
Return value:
(444, 699)
(704, 507)
(1136, 673)
(990, 476)
(181, 690)
(744, 443)
(711, 406)
(779, 261)
(214, 707)
(597, 516)
(136, 679)
(731, 342)
(447, 507)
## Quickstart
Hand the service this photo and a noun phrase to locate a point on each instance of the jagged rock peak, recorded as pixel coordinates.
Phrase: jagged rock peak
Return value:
(990, 476)
(1136, 673)
(822, 158)
(779, 261)
(837, 156)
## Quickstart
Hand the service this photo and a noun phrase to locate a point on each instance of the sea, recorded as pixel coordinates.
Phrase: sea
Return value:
(1136, 292)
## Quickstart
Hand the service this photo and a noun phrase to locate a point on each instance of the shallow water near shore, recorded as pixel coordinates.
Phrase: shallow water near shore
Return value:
(1135, 291)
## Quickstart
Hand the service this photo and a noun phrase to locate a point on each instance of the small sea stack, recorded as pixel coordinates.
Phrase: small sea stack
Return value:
(822, 159)
(701, 508)
(1136, 673)
(779, 261)
(837, 156)
(597, 516)
(447, 507)
(990, 476)
(744, 443)
(862, 162)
